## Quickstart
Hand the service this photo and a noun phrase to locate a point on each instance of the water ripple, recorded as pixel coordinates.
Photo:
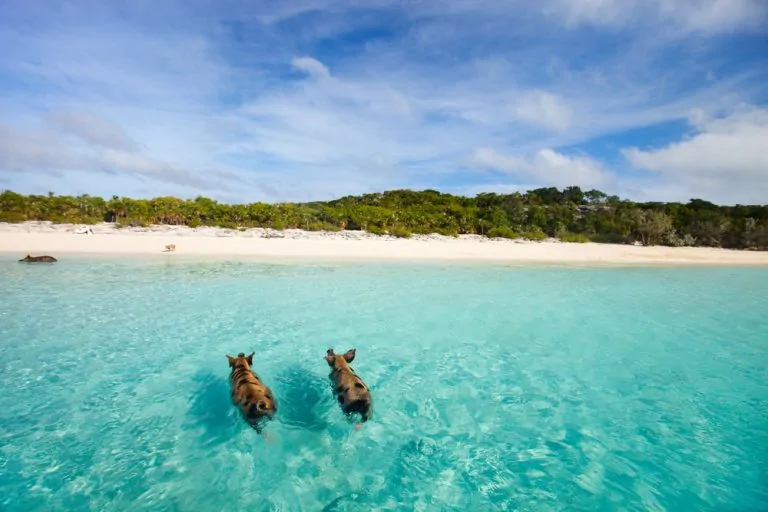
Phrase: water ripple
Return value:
(494, 388)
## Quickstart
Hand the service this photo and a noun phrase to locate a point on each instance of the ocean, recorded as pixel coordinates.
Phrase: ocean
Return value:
(495, 387)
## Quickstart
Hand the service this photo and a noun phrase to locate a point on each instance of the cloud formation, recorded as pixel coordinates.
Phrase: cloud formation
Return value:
(544, 109)
(94, 130)
(708, 16)
(725, 156)
(50, 151)
(312, 99)
(313, 67)
(547, 167)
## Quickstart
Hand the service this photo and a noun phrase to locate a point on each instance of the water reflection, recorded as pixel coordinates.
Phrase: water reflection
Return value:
(304, 399)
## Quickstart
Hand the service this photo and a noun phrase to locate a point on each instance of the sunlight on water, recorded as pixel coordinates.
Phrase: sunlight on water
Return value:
(494, 388)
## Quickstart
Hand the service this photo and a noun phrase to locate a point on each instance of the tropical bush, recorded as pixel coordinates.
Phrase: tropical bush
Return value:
(569, 214)
(502, 232)
(577, 238)
(400, 232)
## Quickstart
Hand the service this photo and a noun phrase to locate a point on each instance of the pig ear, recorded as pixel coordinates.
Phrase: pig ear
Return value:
(249, 358)
(231, 360)
(350, 355)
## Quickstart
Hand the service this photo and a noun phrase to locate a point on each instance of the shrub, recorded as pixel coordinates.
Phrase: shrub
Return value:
(376, 230)
(535, 234)
(194, 223)
(447, 232)
(322, 226)
(675, 240)
(421, 230)
(400, 232)
(125, 223)
(576, 238)
(502, 232)
(227, 224)
(12, 217)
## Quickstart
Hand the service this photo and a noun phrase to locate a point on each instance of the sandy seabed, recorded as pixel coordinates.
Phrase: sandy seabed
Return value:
(38, 238)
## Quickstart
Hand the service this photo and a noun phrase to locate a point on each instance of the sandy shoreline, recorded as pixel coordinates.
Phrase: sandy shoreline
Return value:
(38, 238)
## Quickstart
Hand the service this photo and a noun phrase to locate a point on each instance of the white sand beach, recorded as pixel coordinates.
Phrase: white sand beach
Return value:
(38, 238)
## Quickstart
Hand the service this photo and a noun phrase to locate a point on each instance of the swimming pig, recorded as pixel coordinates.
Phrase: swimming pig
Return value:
(353, 395)
(252, 396)
(37, 259)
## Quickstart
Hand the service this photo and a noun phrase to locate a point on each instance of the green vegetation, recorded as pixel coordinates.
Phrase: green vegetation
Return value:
(571, 214)
(400, 232)
(576, 238)
(535, 233)
(502, 232)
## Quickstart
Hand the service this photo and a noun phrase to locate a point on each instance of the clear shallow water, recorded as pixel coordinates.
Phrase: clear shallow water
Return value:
(494, 388)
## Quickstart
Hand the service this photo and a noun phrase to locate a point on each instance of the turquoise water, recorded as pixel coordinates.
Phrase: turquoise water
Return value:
(494, 388)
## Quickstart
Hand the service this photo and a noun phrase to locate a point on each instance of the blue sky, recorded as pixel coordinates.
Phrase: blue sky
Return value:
(309, 100)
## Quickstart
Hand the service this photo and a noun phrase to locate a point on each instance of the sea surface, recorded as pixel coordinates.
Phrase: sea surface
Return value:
(495, 387)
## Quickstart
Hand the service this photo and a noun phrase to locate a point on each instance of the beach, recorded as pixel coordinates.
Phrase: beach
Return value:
(38, 238)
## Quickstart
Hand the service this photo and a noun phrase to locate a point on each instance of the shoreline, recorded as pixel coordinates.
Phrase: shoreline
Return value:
(260, 244)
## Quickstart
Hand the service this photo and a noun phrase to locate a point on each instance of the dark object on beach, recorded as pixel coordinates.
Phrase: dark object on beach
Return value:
(352, 394)
(253, 397)
(38, 259)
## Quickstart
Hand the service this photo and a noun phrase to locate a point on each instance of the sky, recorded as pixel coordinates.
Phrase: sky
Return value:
(281, 100)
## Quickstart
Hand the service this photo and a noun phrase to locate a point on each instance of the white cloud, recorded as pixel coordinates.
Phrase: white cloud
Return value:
(711, 16)
(313, 67)
(38, 150)
(575, 12)
(161, 105)
(544, 109)
(547, 168)
(94, 129)
(487, 158)
(715, 15)
(725, 159)
(706, 16)
(49, 151)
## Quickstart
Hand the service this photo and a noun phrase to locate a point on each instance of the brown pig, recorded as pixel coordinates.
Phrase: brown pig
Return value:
(350, 390)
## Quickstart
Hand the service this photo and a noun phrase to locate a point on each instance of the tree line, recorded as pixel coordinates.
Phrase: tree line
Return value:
(570, 214)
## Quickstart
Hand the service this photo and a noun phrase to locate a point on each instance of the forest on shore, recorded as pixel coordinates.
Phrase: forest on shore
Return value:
(571, 215)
